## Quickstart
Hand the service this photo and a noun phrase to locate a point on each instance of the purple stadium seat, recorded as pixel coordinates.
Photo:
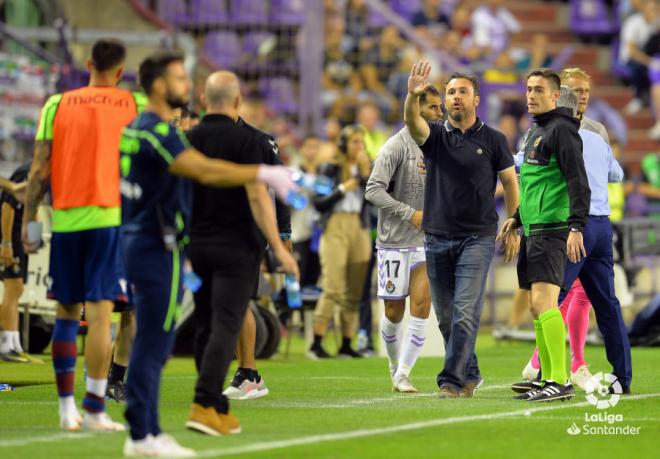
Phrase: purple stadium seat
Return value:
(223, 49)
(590, 17)
(406, 8)
(208, 12)
(244, 12)
(290, 12)
(253, 42)
(279, 94)
(376, 20)
(173, 11)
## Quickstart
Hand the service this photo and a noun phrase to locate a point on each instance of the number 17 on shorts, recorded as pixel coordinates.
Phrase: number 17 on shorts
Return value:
(394, 268)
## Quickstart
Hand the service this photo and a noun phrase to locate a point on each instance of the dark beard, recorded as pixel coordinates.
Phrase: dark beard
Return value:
(175, 102)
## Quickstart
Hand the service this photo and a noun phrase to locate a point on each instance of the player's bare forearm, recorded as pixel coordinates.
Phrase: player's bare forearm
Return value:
(263, 211)
(37, 180)
(7, 221)
(509, 181)
(418, 127)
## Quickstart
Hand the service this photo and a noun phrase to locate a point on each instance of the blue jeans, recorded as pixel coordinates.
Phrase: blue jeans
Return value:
(457, 270)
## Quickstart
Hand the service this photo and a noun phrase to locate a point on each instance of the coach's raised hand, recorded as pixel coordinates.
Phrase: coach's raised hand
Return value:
(417, 83)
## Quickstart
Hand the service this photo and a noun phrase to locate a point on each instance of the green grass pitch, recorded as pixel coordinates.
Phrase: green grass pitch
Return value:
(340, 408)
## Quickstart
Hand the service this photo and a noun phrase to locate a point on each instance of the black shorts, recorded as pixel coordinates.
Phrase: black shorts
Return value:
(18, 270)
(542, 258)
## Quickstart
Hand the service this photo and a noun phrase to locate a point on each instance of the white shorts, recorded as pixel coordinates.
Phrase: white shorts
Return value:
(394, 268)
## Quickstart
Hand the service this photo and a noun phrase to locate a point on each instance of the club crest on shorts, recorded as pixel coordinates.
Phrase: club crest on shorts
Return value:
(390, 287)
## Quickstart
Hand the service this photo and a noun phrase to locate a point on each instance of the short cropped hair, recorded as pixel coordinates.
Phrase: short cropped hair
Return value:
(548, 74)
(574, 72)
(108, 53)
(154, 67)
(429, 91)
(568, 99)
(468, 76)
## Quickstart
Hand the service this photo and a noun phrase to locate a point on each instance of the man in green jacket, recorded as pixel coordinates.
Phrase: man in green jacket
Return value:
(554, 203)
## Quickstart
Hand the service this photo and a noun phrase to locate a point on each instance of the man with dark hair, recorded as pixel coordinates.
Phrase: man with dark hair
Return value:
(156, 205)
(75, 151)
(553, 211)
(463, 158)
(396, 187)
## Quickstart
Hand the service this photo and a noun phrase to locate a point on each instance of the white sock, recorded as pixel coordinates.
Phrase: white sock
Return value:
(68, 406)
(16, 339)
(97, 386)
(412, 345)
(5, 342)
(389, 331)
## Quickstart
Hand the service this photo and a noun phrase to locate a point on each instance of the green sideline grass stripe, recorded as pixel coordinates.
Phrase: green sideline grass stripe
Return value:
(339, 436)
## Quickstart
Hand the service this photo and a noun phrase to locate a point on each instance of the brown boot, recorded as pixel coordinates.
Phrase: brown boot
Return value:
(210, 422)
(469, 388)
(448, 392)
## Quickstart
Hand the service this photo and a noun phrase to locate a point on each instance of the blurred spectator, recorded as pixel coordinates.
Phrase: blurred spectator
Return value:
(492, 25)
(340, 81)
(430, 18)
(502, 71)
(305, 233)
(458, 47)
(345, 244)
(635, 33)
(538, 55)
(376, 133)
(509, 127)
(651, 59)
(380, 63)
(357, 29)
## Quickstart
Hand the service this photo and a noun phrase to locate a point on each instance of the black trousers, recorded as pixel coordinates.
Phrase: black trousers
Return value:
(228, 274)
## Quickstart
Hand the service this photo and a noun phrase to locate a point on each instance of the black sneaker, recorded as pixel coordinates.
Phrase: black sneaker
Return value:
(347, 352)
(625, 390)
(316, 353)
(524, 386)
(239, 377)
(553, 391)
(116, 391)
(536, 387)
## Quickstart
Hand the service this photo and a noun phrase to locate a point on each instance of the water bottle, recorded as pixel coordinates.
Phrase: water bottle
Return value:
(363, 340)
(318, 184)
(296, 200)
(191, 281)
(293, 297)
(6, 388)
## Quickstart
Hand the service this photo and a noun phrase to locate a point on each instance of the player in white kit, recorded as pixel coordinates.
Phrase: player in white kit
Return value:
(396, 187)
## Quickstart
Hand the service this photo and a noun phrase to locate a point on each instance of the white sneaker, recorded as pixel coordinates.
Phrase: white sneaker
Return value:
(71, 421)
(530, 373)
(633, 107)
(101, 422)
(166, 446)
(580, 377)
(654, 132)
(402, 384)
(246, 390)
(140, 448)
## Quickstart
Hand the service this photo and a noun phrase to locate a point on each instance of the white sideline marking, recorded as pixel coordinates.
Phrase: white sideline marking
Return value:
(46, 439)
(265, 446)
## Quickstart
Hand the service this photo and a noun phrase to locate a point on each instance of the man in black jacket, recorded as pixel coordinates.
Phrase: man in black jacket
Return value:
(226, 247)
(554, 203)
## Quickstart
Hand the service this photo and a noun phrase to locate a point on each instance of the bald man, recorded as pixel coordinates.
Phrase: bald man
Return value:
(229, 231)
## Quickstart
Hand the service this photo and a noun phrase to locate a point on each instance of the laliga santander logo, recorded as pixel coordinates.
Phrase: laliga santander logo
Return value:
(603, 390)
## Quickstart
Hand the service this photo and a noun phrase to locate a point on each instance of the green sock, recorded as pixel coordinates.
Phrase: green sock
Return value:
(554, 332)
(544, 358)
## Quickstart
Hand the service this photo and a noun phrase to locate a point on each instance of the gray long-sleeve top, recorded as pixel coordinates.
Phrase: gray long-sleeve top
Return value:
(396, 187)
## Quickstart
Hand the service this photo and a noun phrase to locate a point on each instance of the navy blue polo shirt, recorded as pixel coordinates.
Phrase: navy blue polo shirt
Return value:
(461, 175)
